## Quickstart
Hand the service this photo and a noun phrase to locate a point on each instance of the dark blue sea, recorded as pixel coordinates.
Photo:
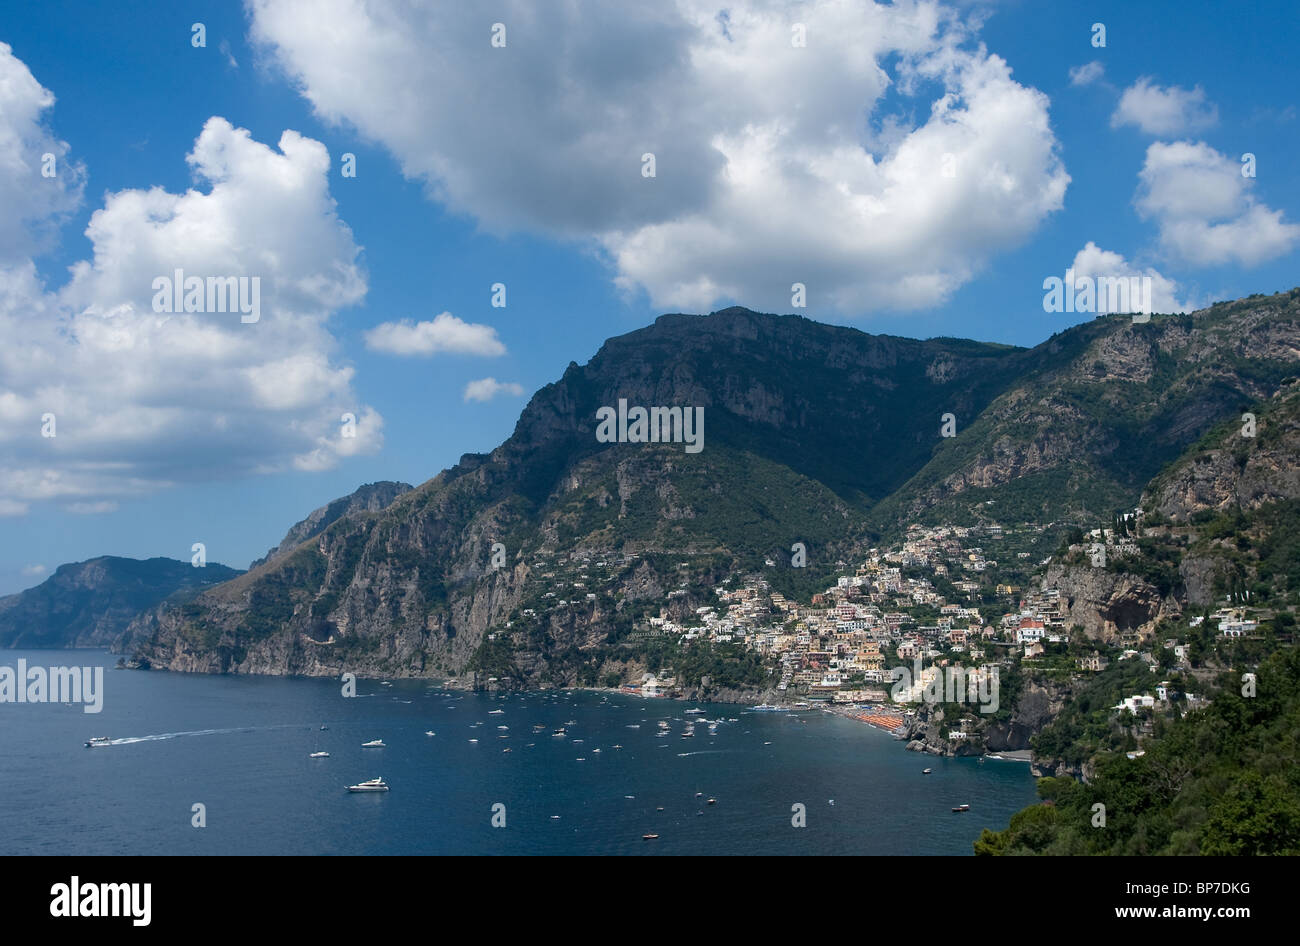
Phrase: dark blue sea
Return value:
(239, 746)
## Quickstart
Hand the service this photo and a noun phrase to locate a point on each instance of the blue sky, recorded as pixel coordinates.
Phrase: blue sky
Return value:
(524, 169)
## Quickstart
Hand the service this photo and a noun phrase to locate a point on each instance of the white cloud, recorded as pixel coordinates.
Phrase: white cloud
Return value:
(31, 204)
(1205, 209)
(1088, 73)
(144, 400)
(445, 333)
(1092, 262)
(774, 164)
(1163, 111)
(32, 571)
(485, 389)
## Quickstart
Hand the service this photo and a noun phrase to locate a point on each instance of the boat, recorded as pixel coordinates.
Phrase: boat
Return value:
(430, 732)
(616, 746)
(649, 837)
(96, 742)
(767, 708)
(925, 771)
(713, 801)
(694, 712)
(558, 732)
(370, 785)
(497, 713)
(961, 808)
(373, 744)
(319, 755)
(473, 740)
(323, 727)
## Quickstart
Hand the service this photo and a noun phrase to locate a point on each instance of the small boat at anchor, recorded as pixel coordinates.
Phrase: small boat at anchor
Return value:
(374, 744)
(370, 785)
(319, 755)
(961, 808)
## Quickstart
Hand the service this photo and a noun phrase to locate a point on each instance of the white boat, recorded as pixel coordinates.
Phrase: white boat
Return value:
(694, 712)
(497, 713)
(96, 742)
(319, 755)
(370, 785)
(373, 744)
(430, 732)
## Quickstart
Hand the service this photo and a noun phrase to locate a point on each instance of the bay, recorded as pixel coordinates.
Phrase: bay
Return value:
(239, 746)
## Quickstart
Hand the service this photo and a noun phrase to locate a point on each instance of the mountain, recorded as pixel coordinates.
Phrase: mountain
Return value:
(813, 434)
(89, 604)
(1084, 429)
(371, 497)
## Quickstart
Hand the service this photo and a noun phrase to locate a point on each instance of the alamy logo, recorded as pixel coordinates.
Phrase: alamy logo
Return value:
(181, 293)
(957, 685)
(652, 425)
(77, 899)
(53, 685)
(1097, 293)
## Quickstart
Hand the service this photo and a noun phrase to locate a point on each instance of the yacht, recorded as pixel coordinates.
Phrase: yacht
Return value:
(95, 742)
(370, 785)
(319, 755)
(373, 744)
(925, 771)
(767, 708)
(497, 713)
(694, 712)
(960, 808)
(430, 732)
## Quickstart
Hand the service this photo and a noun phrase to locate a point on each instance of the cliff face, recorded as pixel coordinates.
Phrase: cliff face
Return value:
(1243, 464)
(1037, 704)
(1106, 603)
(89, 604)
(369, 498)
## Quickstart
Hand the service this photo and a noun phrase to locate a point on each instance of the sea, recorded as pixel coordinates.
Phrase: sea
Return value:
(219, 765)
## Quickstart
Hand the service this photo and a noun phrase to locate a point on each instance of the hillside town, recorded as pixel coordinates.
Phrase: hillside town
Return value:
(937, 618)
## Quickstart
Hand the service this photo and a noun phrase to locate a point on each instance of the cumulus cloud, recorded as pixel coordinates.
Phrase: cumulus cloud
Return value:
(1163, 111)
(485, 389)
(1092, 262)
(1205, 209)
(774, 163)
(445, 333)
(1088, 73)
(136, 400)
(38, 185)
